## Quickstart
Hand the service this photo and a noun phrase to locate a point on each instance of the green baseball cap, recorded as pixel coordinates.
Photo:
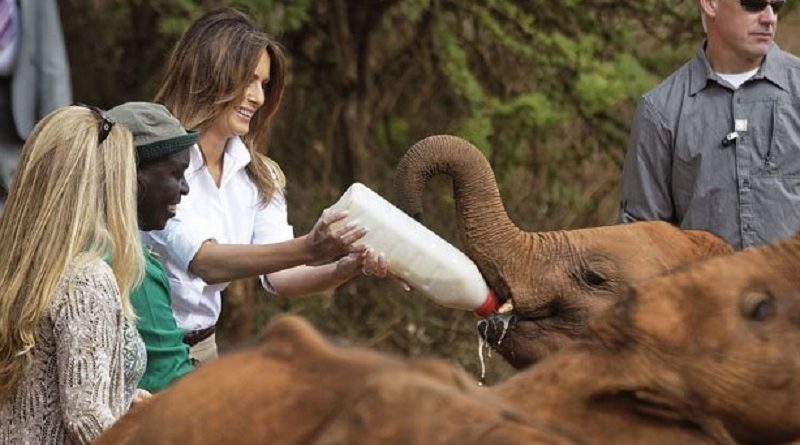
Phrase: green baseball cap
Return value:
(156, 132)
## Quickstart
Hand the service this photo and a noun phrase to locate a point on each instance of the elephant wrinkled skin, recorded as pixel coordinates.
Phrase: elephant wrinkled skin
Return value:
(556, 280)
(706, 354)
(295, 388)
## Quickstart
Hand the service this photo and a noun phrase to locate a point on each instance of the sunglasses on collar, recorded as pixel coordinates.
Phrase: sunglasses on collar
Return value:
(759, 5)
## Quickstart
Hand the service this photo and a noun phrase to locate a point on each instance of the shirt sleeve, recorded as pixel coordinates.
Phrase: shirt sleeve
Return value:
(182, 237)
(86, 325)
(271, 225)
(647, 172)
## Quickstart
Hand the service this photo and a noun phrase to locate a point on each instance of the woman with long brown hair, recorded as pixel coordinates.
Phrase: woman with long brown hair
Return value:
(70, 356)
(225, 79)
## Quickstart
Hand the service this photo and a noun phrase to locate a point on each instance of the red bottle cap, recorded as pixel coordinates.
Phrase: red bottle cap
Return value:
(489, 305)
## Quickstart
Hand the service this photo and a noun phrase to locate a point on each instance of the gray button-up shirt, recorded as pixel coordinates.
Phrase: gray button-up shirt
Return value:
(745, 189)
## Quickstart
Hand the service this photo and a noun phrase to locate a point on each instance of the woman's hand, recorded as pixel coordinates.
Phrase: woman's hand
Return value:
(140, 395)
(378, 266)
(364, 260)
(324, 242)
(373, 264)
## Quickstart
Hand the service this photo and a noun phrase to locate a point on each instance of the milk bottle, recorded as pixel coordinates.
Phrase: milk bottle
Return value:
(417, 255)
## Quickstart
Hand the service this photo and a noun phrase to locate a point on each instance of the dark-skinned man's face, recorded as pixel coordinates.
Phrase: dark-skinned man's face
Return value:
(160, 186)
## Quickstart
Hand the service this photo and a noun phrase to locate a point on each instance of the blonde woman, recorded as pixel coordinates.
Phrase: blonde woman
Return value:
(70, 356)
(225, 79)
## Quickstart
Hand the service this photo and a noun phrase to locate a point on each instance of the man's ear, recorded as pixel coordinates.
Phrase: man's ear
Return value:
(708, 7)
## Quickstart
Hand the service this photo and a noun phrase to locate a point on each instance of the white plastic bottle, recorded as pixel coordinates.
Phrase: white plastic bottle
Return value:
(417, 255)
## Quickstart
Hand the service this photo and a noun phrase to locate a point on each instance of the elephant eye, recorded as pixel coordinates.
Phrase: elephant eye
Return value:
(758, 307)
(592, 278)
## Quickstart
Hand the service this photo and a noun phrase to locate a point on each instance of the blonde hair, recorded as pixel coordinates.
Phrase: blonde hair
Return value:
(207, 73)
(70, 195)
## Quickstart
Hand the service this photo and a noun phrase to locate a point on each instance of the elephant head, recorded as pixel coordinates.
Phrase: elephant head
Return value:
(554, 280)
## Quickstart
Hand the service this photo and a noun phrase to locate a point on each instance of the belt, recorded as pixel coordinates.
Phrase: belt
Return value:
(192, 338)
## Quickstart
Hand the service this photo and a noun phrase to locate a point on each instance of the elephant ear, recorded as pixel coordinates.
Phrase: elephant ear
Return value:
(445, 371)
(292, 339)
(709, 245)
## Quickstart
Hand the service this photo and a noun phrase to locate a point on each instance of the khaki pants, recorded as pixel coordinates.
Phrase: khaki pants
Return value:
(204, 351)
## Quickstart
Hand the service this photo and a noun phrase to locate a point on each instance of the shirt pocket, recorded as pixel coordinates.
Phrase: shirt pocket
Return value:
(776, 170)
(777, 208)
(700, 161)
(781, 159)
(688, 155)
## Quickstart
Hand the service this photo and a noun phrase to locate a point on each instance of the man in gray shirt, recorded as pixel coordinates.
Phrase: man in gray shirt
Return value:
(716, 146)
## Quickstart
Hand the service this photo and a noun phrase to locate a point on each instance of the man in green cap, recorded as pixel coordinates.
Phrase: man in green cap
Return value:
(162, 156)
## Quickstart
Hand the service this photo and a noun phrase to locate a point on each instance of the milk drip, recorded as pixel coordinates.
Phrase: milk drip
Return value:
(414, 253)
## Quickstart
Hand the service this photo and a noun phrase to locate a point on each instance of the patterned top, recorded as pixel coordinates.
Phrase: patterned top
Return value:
(87, 362)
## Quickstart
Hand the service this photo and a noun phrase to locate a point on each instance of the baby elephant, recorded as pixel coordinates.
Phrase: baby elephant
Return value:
(552, 282)
(707, 354)
(296, 388)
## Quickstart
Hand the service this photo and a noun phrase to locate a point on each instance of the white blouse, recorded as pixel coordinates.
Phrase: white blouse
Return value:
(230, 214)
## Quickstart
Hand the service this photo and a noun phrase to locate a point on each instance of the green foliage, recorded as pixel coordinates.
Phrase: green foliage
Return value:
(534, 111)
(176, 15)
(413, 10)
(394, 132)
(605, 84)
(277, 17)
(497, 30)
(454, 65)
(478, 130)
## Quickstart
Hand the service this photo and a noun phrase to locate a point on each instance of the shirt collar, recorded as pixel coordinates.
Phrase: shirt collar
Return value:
(195, 159)
(773, 69)
(236, 151)
(237, 156)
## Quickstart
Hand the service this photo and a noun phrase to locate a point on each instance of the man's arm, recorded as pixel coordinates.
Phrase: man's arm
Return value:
(647, 173)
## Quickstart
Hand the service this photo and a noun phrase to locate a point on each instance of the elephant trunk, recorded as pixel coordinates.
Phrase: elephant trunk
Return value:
(484, 227)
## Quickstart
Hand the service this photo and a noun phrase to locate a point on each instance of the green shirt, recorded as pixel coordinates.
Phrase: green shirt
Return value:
(167, 355)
